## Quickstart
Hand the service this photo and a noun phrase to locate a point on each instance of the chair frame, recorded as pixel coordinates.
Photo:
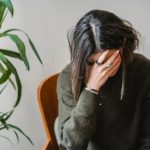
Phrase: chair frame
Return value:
(48, 104)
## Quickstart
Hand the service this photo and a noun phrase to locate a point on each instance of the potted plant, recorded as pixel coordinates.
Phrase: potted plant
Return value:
(8, 69)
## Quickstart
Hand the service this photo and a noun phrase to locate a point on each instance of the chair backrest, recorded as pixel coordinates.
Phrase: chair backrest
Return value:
(48, 103)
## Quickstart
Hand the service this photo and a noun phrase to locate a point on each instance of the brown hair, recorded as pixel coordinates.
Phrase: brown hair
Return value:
(110, 32)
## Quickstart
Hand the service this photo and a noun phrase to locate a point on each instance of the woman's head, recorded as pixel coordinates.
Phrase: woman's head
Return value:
(97, 31)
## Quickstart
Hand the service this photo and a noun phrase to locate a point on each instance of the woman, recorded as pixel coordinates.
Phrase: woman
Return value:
(104, 92)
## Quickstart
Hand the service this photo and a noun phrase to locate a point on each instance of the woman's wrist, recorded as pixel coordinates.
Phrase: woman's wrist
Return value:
(91, 90)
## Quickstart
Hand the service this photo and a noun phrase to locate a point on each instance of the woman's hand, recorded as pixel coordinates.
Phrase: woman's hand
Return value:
(103, 69)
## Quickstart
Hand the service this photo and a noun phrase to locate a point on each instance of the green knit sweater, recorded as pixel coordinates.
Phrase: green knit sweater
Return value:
(104, 122)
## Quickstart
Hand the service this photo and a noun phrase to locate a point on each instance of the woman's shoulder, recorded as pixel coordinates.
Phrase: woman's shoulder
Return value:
(140, 66)
(65, 73)
(64, 78)
(140, 62)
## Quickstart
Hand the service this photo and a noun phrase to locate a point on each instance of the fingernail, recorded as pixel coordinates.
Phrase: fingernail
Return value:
(117, 51)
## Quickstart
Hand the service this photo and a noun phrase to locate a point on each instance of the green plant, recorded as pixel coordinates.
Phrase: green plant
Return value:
(7, 68)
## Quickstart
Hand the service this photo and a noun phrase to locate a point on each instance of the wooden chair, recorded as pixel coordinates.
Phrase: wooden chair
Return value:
(48, 105)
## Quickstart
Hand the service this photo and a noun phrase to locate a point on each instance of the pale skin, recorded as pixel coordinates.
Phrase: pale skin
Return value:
(99, 74)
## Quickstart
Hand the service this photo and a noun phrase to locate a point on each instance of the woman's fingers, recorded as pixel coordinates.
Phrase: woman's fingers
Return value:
(102, 57)
(103, 69)
(107, 66)
(114, 68)
(109, 72)
(112, 58)
(106, 71)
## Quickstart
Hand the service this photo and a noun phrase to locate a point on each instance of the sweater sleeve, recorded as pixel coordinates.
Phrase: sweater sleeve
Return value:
(144, 143)
(76, 120)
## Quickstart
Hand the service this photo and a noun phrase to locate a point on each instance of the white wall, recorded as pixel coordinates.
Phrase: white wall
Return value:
(47, 22)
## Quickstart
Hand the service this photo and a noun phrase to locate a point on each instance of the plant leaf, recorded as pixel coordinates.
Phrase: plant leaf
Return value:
(2, 69)
(2, 12)
(6, 139)
(3, 88)
(30, 41)
(16, 136)
(5, 116)
(11, 53)
(8, 115)
(8, 4)
(5, 76)
(20, 45)
(12, 83)
(3, 119)
(18, 129)
(14, 71)
(3, 124)
(2, 128)
(4, 16)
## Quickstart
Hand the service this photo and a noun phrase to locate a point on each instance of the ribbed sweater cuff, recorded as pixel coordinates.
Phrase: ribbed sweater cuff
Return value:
(87, 103)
